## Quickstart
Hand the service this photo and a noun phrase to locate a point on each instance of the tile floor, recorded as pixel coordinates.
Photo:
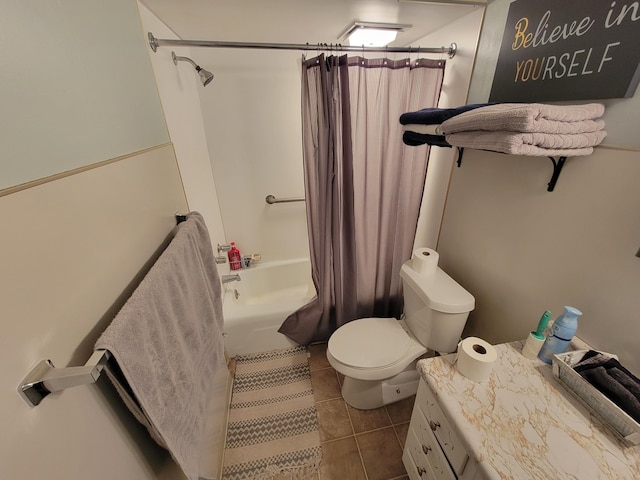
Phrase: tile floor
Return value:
(356, 444)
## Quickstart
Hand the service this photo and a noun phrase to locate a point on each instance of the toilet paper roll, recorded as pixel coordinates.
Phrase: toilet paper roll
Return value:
(424, 260)
(476, 358)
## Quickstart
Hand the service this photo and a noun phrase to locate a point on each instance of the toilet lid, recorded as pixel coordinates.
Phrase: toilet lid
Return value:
(369, 343)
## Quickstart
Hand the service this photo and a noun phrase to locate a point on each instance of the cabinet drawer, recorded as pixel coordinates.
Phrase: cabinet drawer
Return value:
(436, 422)
(414, 472)
(416, 461)
(425, 448)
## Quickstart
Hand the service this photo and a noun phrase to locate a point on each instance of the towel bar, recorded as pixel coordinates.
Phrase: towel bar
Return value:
(44, 378)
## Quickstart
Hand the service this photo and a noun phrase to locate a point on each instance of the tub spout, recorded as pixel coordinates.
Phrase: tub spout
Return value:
(230, 278)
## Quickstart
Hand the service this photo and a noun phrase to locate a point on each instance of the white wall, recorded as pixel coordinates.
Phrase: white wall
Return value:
(38, 95)
(252, 118)
(75, 246)
(179, 87)
(465, 33)
(72, 250)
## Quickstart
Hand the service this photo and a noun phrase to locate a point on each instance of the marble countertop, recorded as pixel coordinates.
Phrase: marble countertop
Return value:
(522, 424)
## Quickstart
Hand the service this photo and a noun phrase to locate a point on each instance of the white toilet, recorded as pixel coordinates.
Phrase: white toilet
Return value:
(378, 356)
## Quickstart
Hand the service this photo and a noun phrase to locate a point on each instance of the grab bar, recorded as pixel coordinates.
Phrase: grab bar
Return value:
(270, 199)
(44, 378)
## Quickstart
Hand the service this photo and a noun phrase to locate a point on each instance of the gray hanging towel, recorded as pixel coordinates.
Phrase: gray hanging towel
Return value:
(167, 342)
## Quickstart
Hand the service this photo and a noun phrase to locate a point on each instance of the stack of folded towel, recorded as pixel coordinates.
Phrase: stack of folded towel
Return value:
(613, 380)
(521, 128)
(529, 129)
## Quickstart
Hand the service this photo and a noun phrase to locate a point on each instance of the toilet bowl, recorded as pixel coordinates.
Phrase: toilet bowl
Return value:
(378, 356)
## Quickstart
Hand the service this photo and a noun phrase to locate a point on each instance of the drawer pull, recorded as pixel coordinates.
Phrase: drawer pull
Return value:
(426, 449)
(421, 471)
(434, 425)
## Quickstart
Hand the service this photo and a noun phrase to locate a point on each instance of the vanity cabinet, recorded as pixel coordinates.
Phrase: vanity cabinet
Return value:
(520, 424)
(432, 449)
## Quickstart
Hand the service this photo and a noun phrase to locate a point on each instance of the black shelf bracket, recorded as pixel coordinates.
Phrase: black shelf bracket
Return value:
(460, 152)
(557, 168)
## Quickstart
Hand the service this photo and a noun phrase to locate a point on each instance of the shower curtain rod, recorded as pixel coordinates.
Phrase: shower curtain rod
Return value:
(162, 42)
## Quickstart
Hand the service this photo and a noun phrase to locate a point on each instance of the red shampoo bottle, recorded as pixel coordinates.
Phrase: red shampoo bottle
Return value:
(235, 259)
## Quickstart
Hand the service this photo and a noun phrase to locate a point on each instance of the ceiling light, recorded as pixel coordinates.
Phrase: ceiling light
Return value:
(369, 34)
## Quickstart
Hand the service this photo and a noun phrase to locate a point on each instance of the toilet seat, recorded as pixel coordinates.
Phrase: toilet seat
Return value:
(372, 348)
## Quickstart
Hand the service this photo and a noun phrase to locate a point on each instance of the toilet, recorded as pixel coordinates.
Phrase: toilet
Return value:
(378, 356)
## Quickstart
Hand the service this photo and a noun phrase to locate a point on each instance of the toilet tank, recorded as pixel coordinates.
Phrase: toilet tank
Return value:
(436, 308)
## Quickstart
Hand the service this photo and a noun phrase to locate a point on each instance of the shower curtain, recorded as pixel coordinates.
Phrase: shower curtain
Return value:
(363, 186)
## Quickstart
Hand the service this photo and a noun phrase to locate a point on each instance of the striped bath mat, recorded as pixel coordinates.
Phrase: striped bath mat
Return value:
(273, 427)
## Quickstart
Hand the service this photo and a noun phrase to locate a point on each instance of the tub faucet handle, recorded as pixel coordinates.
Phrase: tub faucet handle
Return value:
(230, 278)
(223, 248)
(221, 259)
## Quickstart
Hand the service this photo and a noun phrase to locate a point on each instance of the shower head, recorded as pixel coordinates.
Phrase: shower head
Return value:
(205, 75)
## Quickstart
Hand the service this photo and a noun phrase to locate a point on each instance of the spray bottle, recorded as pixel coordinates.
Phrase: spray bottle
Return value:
(562, 331)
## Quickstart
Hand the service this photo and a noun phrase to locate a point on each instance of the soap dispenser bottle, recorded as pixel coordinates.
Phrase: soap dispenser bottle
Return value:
(562, 331)
(235, 259)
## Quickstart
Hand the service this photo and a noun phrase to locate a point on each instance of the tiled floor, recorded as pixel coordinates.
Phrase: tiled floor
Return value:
(356, 444)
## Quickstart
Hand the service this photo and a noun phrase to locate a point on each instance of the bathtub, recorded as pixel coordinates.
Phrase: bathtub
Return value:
(255, 307)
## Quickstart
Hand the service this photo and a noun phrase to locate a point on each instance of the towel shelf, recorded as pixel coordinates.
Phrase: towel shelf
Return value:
(44, 378)
(557, 168)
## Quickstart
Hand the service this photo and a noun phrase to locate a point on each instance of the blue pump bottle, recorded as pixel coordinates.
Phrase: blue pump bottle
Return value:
(562, 331)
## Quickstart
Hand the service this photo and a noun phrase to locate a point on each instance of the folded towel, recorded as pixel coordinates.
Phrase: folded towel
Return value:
(613, 390)
(433, 129)
(531, 117)
(534, 144)
(167, 342)
(433, 116)
(612, 379)
(415, 139)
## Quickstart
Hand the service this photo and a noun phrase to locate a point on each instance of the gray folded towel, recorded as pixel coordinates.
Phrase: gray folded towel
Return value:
(167, 342)
(528, 117)
(533, 144)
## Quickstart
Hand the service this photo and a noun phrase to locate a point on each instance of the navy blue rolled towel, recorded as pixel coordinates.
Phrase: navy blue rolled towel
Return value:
(414, 139)
(435, 116)
(613, 380)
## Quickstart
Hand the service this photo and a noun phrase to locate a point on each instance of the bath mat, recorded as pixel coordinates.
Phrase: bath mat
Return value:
(273, 425)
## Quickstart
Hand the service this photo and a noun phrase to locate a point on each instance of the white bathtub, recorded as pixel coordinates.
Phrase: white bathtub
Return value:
(255, 307)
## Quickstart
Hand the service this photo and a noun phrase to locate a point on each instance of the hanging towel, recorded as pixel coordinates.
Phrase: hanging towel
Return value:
(531, 117)
(434, 116)
(534, 144)
(167, 343)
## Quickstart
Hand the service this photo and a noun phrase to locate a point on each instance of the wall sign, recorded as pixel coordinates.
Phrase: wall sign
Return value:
(568, 50)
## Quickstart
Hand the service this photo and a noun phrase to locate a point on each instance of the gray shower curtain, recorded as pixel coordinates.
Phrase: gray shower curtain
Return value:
(363, 185)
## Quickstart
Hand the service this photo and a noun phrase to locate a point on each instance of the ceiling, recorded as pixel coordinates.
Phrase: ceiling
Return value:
(300, 21)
